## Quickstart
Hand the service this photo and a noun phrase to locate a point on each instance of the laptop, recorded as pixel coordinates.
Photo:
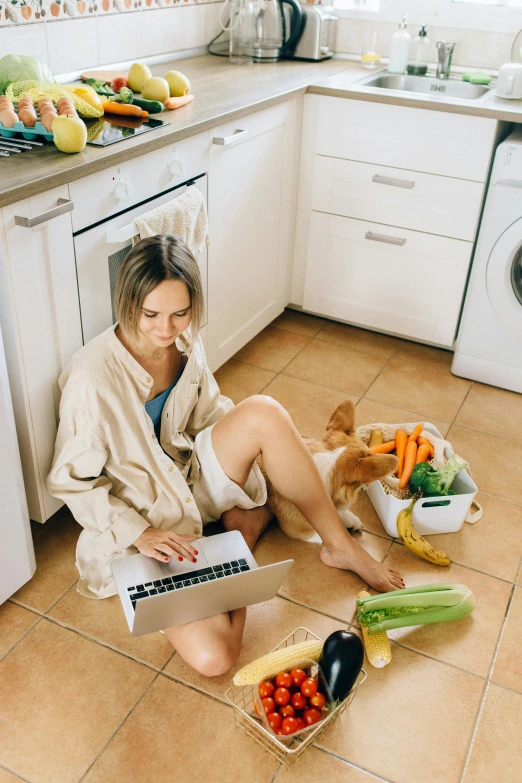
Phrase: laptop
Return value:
(158, 595)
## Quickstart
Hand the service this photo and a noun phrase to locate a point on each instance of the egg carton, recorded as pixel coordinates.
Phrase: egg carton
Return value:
(27, 133)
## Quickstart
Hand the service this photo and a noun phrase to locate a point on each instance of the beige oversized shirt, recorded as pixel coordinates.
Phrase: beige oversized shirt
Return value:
(108, 466)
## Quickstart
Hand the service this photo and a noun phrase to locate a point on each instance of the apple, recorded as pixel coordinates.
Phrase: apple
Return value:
(155, 89)
(70, 133)
(138, 75)
(178, 84)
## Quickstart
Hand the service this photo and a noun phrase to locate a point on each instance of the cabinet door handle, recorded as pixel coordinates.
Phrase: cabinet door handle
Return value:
(397, 183)
(385, 238)
(64, 205)
(227, 141)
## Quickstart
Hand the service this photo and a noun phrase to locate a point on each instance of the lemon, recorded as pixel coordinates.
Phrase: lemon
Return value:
(155, 89)
(88, 95)
(178, 83)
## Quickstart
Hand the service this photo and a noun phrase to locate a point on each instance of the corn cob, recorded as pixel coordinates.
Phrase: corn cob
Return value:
(377, 645)
(278, 661)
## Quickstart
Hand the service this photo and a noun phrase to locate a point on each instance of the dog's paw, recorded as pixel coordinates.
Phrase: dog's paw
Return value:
(349, 520)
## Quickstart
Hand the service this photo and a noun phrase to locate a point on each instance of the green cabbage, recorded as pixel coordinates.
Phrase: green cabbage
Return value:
(20, 67)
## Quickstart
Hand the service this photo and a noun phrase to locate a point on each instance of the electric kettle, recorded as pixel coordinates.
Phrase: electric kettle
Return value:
(509, 82)
(266, 37)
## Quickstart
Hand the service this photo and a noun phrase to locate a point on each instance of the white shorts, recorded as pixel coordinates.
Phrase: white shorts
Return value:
(214, 492)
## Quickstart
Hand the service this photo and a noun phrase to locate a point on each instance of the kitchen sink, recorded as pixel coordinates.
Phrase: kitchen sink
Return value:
(426, 85)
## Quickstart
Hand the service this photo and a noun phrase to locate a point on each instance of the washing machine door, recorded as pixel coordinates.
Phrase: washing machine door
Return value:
(504, 277)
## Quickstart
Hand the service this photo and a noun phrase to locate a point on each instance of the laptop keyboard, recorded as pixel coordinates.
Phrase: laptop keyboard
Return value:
(178, 581)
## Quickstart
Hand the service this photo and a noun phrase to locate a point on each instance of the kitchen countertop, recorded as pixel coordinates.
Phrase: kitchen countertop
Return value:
(223, 93)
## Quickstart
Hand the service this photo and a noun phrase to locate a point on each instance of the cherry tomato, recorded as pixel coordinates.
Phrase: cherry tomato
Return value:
(298, 701)
(287, 711)
(298, 676)
(269, 705)
(266, 689)
(284, 680)
(275, 721)
(290, 725)
(282, 696)
(309, 687)
(312, 715)
(317, 701)
(302, 723)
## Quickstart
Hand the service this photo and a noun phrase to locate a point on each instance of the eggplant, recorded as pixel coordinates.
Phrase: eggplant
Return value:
(341, 661)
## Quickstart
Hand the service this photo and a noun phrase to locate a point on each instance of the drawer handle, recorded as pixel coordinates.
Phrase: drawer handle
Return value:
(397, 183)
(385, 238)
(64, 205)
(227, 141)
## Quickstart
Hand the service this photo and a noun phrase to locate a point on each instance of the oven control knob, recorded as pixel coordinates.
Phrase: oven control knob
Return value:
(176, 168)
(122, 190)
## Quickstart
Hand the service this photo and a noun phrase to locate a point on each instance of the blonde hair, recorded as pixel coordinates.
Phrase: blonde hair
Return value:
(149, 263)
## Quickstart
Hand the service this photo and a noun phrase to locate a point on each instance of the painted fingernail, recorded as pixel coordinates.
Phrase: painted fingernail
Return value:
(166, 560)
(196, 552)
(194, 561)
(180, 559)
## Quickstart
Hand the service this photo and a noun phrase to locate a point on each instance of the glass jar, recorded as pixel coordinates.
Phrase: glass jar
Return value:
(370, 58)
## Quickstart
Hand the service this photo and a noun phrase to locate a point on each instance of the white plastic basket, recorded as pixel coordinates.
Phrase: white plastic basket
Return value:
(445, 514)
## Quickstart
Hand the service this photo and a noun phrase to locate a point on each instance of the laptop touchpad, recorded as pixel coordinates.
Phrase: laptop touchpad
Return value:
(175, 566)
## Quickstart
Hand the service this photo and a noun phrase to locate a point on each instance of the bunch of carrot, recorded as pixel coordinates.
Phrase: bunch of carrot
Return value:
(409, 449)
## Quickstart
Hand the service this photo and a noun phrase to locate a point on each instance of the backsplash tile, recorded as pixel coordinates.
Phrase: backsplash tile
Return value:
(24, 39)
(72, 45)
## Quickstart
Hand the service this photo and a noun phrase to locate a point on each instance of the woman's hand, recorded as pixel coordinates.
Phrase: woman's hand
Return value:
(162, 544)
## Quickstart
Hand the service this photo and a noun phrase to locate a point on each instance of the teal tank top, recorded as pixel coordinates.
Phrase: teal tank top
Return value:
(155, 407)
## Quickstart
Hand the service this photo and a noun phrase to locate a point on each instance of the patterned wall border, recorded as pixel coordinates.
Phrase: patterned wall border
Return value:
(18, 12)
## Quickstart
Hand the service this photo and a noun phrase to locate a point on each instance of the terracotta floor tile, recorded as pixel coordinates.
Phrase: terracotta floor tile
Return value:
(104, 620)
(427, 352)
(491, 410)
(493, 544)
(410, 722)
(267, 624)
(497, 751)
(310, 406)
(362, 339)
(318, 765)
(15, 621)
(300, 323)
(62, 692)
(468, 643)
(370, 412)
(272, 349)
(312, 583)
(55, 550)
(238, 381)
(8, 777)
(176, 733)
(363, 509)
(508, 666)
(496, 463)
(420, 384)
(336, 367)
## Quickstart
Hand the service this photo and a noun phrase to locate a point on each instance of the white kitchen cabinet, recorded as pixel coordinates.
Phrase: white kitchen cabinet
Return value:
(252, 193)
(40, 320)
(388, 279)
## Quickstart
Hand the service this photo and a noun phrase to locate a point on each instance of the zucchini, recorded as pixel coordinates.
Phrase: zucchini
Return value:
(153, 107)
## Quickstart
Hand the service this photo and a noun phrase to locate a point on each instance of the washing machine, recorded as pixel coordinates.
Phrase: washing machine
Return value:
(489, 341)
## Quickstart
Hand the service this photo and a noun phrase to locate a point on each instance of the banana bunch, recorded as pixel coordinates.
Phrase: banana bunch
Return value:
(413, 541)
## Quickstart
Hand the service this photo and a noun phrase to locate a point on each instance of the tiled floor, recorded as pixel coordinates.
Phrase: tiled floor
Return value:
(82, 700)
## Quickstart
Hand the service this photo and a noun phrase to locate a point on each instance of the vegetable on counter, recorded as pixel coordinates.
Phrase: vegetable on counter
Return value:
(376, 645)
(119, 83)
(341, 661)
(421, 605)
(126, 109)
(100, 86)
(21, 68)
(152, 107)
(413, 541)
(433, 482)
(277, 660)
(177, 103)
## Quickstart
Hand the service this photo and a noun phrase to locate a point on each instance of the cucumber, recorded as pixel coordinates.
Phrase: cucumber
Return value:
(153, 107)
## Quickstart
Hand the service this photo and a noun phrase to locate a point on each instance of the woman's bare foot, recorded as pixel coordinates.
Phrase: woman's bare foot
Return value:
(379, 576)
(250, 522)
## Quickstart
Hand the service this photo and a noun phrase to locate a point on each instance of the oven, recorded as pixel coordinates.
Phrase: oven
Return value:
(103, 229)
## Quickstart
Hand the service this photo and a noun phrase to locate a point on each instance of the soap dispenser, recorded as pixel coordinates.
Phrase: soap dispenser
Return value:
(419, 54)
(400, 48)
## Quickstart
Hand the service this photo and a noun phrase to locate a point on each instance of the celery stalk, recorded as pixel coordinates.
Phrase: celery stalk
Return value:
(437, 598)
(408, 591)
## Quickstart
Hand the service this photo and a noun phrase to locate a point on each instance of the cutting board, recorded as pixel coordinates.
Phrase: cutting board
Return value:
(107, 76)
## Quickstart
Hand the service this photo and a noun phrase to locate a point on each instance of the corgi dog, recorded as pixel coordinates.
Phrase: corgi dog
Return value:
(345, 464)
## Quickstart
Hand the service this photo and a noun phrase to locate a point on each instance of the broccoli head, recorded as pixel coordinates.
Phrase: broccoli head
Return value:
(433, 482)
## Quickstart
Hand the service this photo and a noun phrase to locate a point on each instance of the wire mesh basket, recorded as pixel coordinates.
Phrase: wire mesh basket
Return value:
(242, 699)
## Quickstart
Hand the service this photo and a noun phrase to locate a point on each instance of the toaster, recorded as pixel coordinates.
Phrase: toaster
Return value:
(318, 37)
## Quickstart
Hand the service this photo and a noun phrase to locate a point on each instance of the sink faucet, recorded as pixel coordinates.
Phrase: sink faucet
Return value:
(445, 51)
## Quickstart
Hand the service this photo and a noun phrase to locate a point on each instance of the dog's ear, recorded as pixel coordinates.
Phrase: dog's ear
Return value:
(376, 466)
(343, 418)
